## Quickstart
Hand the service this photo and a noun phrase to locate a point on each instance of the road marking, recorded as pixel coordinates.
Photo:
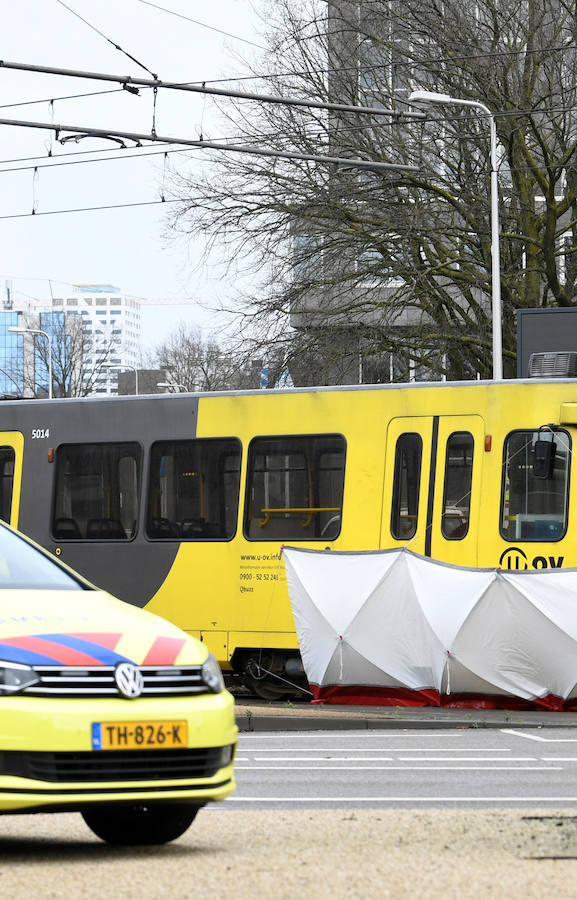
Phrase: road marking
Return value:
(402, 768)
(537, 737)
(391, 758)
(378, 749)
(432, 799)
(466, 759)
(323, 758)
(559, 758)
(375, 735)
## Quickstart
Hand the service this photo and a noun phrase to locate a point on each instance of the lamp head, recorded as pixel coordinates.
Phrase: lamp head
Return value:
(429, 97)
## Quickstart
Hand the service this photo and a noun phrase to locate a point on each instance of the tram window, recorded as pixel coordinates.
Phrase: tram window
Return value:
(534, 508)
(193, 489)
(407, 480)
(7, 460)
(295, 488)
(97, 492)
(457, 491)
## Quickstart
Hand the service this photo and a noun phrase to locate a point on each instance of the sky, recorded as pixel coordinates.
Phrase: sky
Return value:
(44, 254)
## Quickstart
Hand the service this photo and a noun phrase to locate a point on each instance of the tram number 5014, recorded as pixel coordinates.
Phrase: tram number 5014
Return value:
(40, 433)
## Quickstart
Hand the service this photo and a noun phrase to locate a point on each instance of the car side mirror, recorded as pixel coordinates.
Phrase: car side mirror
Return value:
(544, 459)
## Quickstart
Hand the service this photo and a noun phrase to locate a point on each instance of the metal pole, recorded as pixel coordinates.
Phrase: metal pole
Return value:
(49, 364)
(495, 257)
(496, 307)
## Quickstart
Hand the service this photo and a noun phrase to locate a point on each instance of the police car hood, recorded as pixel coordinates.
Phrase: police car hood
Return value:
(88, 628)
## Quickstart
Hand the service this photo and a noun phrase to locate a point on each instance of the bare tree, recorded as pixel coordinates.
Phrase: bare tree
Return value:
(401, 264)
(196, 364)
(77, 358)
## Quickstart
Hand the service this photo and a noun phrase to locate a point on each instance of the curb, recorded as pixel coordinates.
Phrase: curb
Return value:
(247, 723)
(258, 720)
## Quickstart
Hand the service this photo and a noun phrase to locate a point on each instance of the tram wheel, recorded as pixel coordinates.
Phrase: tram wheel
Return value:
(267, 688)
(259, 677)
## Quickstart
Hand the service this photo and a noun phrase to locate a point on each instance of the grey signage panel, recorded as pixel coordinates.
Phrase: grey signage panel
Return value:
(544, 330)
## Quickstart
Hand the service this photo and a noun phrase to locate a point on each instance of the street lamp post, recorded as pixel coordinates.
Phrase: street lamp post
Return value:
(15, 330)
(123, 366)
(445, 99)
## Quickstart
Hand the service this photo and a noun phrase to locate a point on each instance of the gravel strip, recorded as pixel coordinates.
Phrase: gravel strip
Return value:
(288, 855)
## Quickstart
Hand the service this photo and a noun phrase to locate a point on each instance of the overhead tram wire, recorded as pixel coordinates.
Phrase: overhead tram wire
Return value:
(106, 38)
(79, 209)
(553, 110)
(127, 81)
(298, 73)
(130, 82)
(200, 87)
(63, 159)
(56, 158)
(212, 145)
(171, 12)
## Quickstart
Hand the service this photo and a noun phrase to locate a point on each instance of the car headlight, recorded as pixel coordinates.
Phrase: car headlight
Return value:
(212, 676)
(15, 677)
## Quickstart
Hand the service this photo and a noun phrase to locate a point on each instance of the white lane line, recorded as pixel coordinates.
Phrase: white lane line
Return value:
(375, 735)
(324, 759)
(572, 759)
(466, 759)
(376, 799)
(370, 759)
(378, 749)
(537, 737)
(400, 768)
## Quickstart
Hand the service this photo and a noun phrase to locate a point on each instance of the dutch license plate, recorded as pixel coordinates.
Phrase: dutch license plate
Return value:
(139, 735)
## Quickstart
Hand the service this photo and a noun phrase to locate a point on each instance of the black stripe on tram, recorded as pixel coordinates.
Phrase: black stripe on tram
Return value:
(431, 497)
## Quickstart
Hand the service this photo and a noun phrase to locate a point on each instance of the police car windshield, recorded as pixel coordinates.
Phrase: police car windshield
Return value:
(22, 566)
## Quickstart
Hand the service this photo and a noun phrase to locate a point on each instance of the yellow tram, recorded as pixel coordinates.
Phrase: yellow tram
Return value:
(182, 503)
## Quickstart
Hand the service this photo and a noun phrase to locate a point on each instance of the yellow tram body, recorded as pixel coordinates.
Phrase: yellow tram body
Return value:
(182, 503)
(233, 594)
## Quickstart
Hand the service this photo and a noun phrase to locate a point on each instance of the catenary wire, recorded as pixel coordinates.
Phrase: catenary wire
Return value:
(171, 12)
(106, 38)
(298, 73)
(253, 140)
(79, 209)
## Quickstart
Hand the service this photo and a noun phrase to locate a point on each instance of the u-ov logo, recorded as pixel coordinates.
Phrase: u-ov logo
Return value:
(129, 680)
(513, 558)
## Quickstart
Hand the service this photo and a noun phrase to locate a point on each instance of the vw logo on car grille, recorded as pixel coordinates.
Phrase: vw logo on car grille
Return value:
(128, 680)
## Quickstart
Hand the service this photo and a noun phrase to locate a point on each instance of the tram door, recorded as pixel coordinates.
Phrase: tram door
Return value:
(457, 496)
(432, 486)
(11, 451)
(406, 487)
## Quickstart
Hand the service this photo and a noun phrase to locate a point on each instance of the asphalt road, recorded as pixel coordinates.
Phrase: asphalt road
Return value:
(398, 814)
(441, 768)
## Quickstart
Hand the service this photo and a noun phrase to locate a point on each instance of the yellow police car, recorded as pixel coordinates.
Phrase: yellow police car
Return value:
(105, 709)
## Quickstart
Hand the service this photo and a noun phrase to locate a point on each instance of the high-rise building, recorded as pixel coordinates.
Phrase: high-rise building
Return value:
(111, 326)
(11, 384)
(87, 338)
